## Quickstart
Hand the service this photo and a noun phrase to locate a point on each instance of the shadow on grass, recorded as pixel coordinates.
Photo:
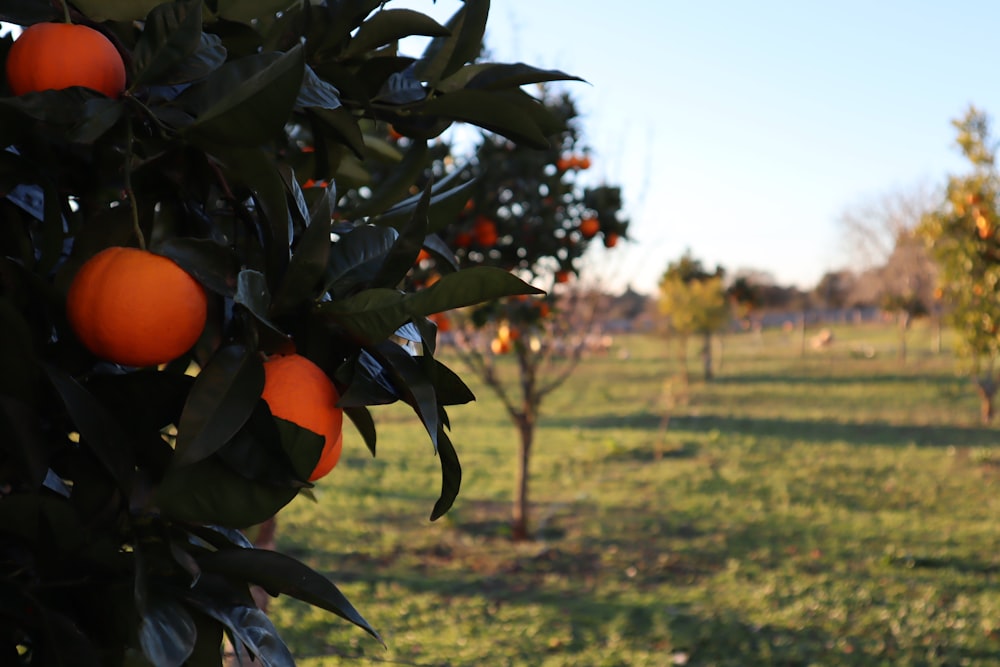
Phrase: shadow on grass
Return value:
(947, 383)
(818, 431)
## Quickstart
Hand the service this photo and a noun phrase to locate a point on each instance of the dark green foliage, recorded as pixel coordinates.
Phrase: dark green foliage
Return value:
(123, 489)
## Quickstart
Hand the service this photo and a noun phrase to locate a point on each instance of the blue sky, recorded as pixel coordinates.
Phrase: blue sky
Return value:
(742, 130)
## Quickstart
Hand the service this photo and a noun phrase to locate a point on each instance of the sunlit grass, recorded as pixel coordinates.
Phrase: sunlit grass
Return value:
(819, 509)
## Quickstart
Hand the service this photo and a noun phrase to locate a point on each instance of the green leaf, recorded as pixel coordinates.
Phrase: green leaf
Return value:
(498, 76)
(27, 12)
(508, 114)
(207, 57)
(356, 258)
(451, 476)
(252, 628)
(212, 264)
(302, 447)
(247, 11)
(403, 254)
(211, 492)
(344, 126)
(280, 574)
(272, 451)
(390, 25)
(446, 201)
(99, 116)
(252, 294)
(450, 388)
(224, 395)
(98, 430)
(368, 383)
(171, 34)
(246, 102)
(444, 55)
(361, 417)
(208, 639)
(255, 168)
(116, 10)
(316, 93)
(373, 315)
(397, 183)
(62, 108)
(167, 633)
(304, 278)
(17, 354)
(413, 382)
(21, 433)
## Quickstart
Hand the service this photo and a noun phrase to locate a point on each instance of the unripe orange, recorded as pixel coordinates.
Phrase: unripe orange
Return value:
(53, 56)
(135, 308)
(297, 390)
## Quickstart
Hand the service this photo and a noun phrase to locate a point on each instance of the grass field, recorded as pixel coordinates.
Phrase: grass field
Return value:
(826, 509)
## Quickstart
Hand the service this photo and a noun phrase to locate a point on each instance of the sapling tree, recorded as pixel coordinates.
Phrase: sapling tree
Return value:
(695, 303)
(528, 212)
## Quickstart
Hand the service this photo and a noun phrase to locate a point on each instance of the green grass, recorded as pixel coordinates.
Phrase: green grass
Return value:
(821, 510)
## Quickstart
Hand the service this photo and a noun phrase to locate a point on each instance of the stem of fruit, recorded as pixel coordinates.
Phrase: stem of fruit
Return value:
(129, 192)
(65, 6)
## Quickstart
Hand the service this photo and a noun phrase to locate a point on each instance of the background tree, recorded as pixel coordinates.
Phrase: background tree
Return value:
(528, 212)
(965, 241)
(694, 302)
(895, 270)
(835, 289)
(127, 481)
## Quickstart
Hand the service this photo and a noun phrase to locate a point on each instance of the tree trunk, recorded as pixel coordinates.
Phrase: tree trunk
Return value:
(706, 356)
(936, 344)
(987, 389)
(802, 334)
(903, 319)
(682, 360)
(526, 433)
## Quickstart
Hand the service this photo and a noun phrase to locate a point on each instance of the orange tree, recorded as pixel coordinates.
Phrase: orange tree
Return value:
(964, 239)
(525, 211)
(131, 456)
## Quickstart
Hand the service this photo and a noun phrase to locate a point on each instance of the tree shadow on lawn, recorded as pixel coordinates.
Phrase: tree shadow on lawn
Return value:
(818, 431)
(944, 383)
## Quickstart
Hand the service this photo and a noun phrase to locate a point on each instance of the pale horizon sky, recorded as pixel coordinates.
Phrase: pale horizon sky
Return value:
(741, 131)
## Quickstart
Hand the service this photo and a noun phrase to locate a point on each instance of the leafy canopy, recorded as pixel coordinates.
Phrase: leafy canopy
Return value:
(964, 240)
(127, 486)
(694, 300)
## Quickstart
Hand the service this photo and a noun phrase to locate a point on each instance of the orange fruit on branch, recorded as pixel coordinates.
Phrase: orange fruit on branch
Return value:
(53, 56)
(589, 227)
(485, 231)
(297, 390)
(136, 308)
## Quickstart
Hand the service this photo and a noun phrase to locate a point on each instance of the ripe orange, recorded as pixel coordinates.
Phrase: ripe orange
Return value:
(135, 308)
(463, 239)
(589, 227)
(53, 56)
(610, 240)
(297, 390)
(485, 231)
(562, 276)
(499, 346)
(442, 321)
